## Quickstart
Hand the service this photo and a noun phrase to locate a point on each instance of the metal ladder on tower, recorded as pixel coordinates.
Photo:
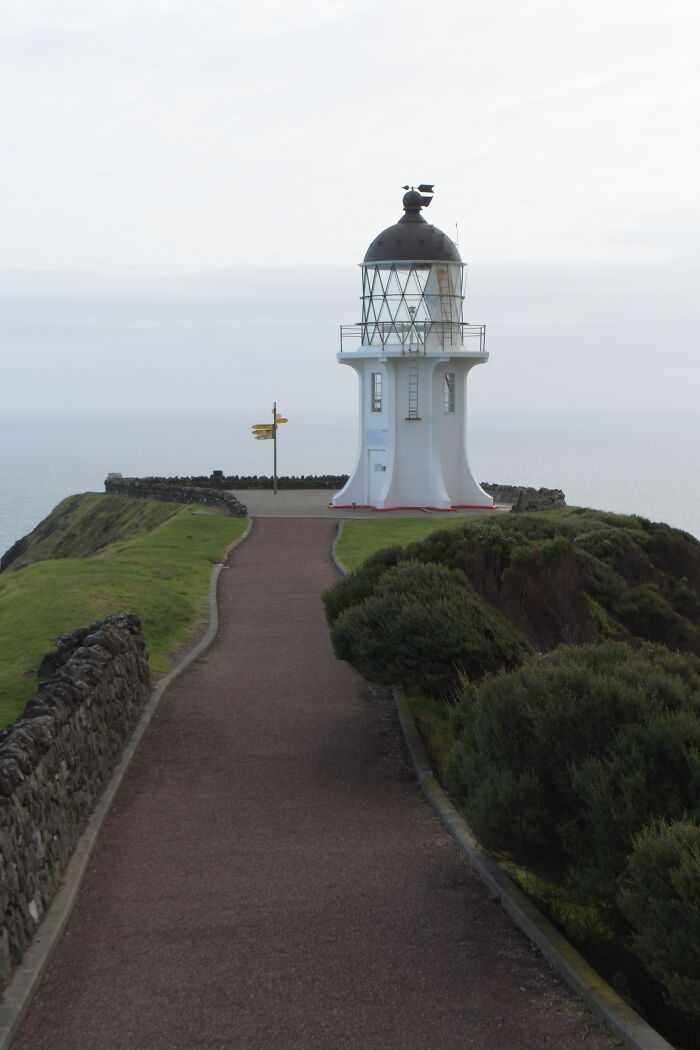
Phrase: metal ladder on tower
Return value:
(413, 392)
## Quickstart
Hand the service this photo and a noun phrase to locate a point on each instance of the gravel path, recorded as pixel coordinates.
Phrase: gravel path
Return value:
(270, 876)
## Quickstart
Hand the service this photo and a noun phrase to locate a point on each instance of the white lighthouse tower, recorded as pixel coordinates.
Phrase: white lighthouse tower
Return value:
(412, 363)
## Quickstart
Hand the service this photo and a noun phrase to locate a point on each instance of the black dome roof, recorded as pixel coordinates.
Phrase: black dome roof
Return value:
(412, 238)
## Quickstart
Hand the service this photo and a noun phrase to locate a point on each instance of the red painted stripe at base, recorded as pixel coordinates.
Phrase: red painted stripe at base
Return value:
(384, 510)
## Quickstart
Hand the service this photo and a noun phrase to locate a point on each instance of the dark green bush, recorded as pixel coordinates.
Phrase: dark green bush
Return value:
(360, 583)
(601, 582)
(660, 898)
(650, 769)
(685, 600)
(534, 581)
(422, 625)
(606, 543)
(568, 757)
(644, 613)
(542, 574)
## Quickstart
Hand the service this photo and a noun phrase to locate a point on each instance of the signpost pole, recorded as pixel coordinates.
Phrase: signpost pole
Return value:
(274, 438)
(268, 432)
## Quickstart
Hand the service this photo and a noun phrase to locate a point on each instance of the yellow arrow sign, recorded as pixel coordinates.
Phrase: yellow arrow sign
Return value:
(263, 426)
(281, 419)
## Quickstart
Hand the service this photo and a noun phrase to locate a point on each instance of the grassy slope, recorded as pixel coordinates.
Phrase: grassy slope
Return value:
(163, 575)
(82, 525)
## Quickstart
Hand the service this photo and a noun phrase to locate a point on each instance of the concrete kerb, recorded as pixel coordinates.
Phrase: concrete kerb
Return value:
(25, 981)
(601, 999)
(334, 550)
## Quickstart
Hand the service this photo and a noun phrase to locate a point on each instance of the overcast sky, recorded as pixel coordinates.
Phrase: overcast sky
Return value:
(188, 185)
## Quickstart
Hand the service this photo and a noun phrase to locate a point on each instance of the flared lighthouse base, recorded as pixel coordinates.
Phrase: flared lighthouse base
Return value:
(412, 451)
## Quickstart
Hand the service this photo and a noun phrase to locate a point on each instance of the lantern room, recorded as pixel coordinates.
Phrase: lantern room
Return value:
(412, 284)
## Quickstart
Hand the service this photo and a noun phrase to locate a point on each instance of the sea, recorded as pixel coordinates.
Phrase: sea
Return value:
(645, 465)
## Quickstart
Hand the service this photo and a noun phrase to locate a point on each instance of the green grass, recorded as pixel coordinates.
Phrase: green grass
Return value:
(162, 575)
(84, 524)
(364, 536)
(587, 925)
(432, 718)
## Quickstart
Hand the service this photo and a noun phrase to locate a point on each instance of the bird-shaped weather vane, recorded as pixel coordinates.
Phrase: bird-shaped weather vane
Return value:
(423, 188)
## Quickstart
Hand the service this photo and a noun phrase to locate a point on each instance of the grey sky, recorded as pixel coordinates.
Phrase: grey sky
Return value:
(188, 186)
(188, 134)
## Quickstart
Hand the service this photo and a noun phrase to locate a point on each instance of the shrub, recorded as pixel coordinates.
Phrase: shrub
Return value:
(535, 581)
(650, 769)
(685, 600)
(423, 625)
(568, 757)
(360, 583)
(543, 574)
(644, 612)
(659, 898)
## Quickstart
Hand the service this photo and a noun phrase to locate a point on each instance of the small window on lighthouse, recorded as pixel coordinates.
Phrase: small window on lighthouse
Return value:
(376, 391)
(449, 391)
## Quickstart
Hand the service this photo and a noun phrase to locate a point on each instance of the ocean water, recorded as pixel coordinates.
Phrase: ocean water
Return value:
(642, 465)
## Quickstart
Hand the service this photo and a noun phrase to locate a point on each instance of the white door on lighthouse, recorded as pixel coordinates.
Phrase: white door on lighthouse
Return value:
(376, 475)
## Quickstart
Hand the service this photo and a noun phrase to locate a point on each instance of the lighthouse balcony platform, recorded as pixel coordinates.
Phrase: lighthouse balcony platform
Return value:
(409, 339)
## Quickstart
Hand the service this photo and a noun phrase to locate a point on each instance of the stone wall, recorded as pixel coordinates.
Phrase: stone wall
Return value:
(162, 489)
(215, 490)
(54, 762)
(218, 480)
(523, 498)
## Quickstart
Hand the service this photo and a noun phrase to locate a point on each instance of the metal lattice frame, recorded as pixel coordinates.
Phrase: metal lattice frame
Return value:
(397, 309)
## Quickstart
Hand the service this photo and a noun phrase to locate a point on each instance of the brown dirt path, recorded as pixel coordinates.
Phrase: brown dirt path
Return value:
(270, 876)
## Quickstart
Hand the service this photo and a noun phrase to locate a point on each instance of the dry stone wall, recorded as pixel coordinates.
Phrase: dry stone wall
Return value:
(54, 762)
(524, 498)
(161, 489)
(215, 490)
(218, 480)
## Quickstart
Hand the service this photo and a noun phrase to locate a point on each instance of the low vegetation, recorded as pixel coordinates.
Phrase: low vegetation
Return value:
(157, 563)
(420, 625)
(565, 577)
(564, 761)
(83, 525)
(576, 754)
(660, 897)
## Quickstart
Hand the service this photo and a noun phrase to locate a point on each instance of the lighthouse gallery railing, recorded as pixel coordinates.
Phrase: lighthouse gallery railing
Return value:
(413, 337)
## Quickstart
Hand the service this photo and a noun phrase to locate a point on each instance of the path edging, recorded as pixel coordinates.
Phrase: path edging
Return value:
(334, 550)
(25, 981)
(600, 997)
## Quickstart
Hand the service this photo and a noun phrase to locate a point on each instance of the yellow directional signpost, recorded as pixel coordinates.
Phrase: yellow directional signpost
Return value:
(268, 432)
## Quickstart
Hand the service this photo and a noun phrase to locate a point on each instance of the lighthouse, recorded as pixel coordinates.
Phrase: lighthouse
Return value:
(412, 352)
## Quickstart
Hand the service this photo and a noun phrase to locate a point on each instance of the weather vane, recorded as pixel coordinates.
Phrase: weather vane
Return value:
(423, 188)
